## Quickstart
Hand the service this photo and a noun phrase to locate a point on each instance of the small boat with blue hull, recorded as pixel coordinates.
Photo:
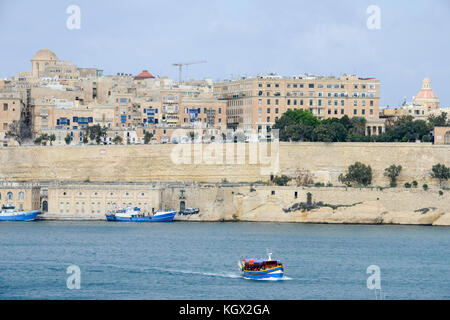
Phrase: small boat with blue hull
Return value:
(260, 269)
(134, 215)
(9, 213)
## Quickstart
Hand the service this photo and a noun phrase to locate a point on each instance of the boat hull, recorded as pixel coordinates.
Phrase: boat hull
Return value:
(25, 216)
(274, 273)
(165, 217)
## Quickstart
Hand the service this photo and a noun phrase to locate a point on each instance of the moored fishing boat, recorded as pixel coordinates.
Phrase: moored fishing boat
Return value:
(262, 268)
(9, 213)
(134, 215)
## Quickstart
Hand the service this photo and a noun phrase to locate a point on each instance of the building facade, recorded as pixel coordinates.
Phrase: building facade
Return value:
(23, 196)
(256, 103)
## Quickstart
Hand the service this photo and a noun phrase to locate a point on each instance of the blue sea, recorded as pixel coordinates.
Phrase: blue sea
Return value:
(200, 260)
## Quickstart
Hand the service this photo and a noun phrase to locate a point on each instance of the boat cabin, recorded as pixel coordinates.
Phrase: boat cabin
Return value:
(258, 265)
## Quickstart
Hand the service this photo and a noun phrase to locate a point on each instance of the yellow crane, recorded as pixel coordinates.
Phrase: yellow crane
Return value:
(181, 64)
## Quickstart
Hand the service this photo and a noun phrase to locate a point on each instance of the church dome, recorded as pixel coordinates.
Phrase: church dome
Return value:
(426, 95)
(45, 54)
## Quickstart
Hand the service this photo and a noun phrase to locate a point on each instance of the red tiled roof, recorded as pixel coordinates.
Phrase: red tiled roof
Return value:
(144, 75)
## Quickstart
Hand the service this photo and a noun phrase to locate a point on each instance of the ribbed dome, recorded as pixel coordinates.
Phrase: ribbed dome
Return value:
(426, 92)
(45, 54)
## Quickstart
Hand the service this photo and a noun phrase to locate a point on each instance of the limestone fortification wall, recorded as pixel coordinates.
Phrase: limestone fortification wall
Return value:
(339, 205)
(153, 163)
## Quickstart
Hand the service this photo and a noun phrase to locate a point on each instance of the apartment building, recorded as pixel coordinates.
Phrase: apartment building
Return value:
(256, 103)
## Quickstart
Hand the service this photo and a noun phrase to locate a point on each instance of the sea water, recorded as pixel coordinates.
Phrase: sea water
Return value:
(200, 261)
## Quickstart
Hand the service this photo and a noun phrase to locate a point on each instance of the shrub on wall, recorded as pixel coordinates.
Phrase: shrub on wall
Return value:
(358, 173)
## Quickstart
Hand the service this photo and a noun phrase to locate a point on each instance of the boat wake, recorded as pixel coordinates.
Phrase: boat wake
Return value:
(222, 275)
(271, 279)
(209, 274)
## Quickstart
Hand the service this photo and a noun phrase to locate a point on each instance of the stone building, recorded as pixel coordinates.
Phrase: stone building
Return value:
(93, 200)
(442, 135)
(23, 196)
(256, 103)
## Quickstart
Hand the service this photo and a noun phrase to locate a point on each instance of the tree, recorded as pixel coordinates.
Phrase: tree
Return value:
(95, 133)
(330, 132)
(282, 180)
(392, 173)
(19, 131)
(358, 125)
(117, 140)
(358, 173)
(441, 172)
(68, 139)
(438, 121)
(191, 135)
(42, 139)
(147, 137)
(302, 116)
(51, 138)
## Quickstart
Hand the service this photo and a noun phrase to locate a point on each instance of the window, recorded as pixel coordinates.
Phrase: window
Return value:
(355, 111)
(5, 107)
(21, 195)
(311, 85)
(9, 196)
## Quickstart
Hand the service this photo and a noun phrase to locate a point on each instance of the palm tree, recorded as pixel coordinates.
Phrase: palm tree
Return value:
(51, 138)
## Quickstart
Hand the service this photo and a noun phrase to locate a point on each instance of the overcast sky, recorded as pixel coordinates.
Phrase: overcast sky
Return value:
(239, 37)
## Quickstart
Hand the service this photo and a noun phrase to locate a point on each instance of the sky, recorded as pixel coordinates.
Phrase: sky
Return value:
(239, 38)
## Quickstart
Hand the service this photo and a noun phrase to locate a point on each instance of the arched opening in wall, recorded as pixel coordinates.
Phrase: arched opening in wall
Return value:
(182, 206)
(447, 138)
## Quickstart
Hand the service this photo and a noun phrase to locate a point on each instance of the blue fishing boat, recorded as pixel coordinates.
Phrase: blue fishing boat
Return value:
(134, 215)
(9, 213)
(259, 269)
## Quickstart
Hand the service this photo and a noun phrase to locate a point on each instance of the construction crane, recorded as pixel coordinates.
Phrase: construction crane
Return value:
(180, 66)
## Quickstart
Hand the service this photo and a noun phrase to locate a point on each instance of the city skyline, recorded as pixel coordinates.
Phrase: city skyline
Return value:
(240, 39)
